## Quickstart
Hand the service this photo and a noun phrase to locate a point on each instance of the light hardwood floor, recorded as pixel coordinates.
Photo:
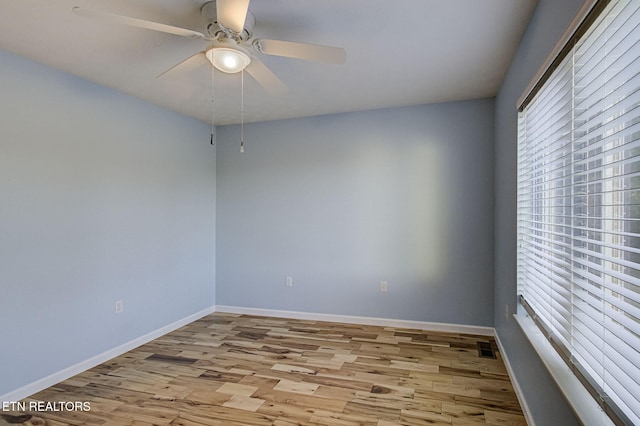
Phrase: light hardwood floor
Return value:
(227, 369)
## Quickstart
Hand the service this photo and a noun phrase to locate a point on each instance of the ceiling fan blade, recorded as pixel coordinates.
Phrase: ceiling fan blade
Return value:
(309, 52)
(266, 78)
(135, 22)
(189, 64)
(231, 14)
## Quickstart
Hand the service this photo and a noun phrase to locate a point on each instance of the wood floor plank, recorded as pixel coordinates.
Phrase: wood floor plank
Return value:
(230, 369)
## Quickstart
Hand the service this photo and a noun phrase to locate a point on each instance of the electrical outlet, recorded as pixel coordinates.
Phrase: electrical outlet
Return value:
(288, 281)
(506, 312)
(119, 306)
(383, 286)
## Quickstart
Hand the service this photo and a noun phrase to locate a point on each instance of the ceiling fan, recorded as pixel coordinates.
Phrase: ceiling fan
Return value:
(229, 26)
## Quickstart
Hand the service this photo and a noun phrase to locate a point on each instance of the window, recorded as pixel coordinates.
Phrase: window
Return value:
(579, 206)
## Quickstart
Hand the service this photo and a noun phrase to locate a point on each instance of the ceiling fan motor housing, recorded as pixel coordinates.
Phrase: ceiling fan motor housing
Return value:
(209, 15)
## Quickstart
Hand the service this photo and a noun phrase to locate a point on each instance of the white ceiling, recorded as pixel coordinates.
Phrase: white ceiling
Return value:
(399, 52)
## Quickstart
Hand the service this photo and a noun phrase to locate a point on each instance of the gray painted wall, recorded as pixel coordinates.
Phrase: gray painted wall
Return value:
(341, 202)
(103, 197)
(550, 19)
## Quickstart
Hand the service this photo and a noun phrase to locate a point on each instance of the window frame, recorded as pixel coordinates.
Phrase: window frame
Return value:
(555, 349)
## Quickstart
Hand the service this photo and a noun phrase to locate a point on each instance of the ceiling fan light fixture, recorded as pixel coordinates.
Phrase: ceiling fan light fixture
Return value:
(229, 60)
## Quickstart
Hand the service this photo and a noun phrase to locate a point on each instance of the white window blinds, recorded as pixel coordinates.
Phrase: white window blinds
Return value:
(579, 208)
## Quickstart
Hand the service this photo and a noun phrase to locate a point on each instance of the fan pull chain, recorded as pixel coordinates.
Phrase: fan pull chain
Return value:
(213, 128)
(242, 111)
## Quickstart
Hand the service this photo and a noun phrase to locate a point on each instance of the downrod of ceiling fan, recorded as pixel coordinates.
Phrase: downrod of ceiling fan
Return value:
(209, 15)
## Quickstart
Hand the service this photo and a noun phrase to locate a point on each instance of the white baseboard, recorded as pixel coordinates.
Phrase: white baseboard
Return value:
(514, 381)
(71, 371)
(349, 319)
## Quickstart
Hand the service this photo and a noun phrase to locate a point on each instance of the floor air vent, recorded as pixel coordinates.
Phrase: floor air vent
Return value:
(485, 350)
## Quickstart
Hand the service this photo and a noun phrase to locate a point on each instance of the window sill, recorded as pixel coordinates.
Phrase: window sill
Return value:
(585, 407)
